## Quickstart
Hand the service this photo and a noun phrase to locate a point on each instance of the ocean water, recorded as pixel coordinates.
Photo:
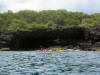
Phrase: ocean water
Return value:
(49, 63)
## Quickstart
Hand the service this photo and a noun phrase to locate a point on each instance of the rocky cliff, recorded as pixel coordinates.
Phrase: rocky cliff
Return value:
(84, 38)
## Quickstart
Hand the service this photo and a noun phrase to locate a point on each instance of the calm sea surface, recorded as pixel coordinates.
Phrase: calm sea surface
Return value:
(49, 63)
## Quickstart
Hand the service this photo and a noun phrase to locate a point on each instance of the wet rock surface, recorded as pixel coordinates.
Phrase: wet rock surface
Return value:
(86, 38)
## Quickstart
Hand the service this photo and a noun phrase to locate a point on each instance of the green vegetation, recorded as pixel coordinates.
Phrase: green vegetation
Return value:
(27, 19)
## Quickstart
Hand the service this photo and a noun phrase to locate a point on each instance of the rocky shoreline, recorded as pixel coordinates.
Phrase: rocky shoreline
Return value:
(82, 38)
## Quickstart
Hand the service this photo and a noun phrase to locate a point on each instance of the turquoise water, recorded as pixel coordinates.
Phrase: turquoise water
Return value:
(49, 63)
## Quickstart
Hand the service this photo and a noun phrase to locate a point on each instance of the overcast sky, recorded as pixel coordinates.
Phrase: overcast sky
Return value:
(86, 6)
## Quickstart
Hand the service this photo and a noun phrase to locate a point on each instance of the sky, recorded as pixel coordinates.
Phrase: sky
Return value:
(86, 6)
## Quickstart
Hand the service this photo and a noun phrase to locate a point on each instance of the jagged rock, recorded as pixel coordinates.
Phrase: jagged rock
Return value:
(75, 37)
(97, 44)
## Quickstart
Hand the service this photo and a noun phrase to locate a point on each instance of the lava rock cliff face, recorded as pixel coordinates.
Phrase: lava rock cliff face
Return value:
(75, 37)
